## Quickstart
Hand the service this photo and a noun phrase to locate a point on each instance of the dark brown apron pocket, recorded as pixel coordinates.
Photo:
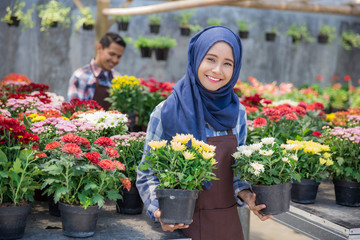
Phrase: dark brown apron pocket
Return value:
(220, 224)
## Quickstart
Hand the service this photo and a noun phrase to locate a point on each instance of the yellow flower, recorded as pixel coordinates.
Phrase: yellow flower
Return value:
(329, 162)
(327, 155)
(207, 155)
(182, 138)
(322, 161)
(188, 155)
(33, 115)
(330, 116)
(38, 118)
(65, 118)
(157, 144)
(177, 146)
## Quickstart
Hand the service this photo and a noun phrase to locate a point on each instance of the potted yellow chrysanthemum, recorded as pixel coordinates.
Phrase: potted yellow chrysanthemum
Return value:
(312, 164)
(182, 167)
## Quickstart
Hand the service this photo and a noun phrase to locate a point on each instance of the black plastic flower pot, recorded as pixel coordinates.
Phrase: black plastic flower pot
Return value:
(123, 26)
(275, 197)
(154, 29)
(88, 27)
(270, 37)
(54, 24)
(53, 207)
(305, 191)
(185, 31)
(15, 21)
(347, 193)
(176, 205)
(77, 221)
(131, 202)
(244, 34)
(161, 54)
(146, 52)
(323, 39)
(13, 221)
(296, 39)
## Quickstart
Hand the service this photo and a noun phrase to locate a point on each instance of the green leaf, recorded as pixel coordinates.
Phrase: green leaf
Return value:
(17, 166)
(144, 166)
(3, 158)
(58, 193)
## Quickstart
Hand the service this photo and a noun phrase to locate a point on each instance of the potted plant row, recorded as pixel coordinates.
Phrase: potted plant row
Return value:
(299, 33)
(182, 166)
(85, 20)
(327, 34)
(160, 45)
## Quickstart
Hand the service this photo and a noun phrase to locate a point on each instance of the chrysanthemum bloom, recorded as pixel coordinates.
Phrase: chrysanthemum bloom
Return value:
(73, 149)
(119, 165)
(157, 144)
(259, 122)
(177, 146)
(111, 152)
(52, 145)
(316, 134)
(93, 157)
(182, 138)
(126, 182)
(188, 155)
(84, 142)
(40, 155)
(104, 142)
(291, 116)
(207, 155)
(107, 164)
(258, 168)
(70, 138)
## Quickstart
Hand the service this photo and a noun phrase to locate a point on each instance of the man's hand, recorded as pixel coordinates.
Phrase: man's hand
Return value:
(169, 227)
(249, 198)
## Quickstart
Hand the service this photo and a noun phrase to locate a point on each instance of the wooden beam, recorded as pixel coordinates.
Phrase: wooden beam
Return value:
(299, 5)
(165, 7)
(78, 4)
(102, 24)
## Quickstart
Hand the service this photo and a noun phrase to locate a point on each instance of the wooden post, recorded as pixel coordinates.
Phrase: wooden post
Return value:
(102, 22)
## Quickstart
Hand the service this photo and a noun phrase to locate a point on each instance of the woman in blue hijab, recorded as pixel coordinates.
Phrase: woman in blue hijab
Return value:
(204, 104)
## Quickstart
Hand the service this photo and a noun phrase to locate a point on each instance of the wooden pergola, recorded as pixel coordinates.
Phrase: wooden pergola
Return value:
(343, 7)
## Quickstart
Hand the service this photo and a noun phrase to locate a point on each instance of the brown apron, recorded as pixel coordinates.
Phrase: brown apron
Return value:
(101, 92)
(216, 216)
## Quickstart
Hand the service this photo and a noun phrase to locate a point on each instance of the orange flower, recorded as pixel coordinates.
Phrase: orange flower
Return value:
(72, 149)
(93, 157)
(126, 182)
(107, 164)
(52, 145)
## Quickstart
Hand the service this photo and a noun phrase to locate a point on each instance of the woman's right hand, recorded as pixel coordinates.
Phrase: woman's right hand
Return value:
(169, 227)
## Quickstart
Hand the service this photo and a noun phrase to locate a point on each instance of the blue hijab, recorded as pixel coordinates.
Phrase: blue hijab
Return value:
(191, 105)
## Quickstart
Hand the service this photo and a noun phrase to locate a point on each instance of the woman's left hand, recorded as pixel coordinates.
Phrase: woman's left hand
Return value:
(249, 198)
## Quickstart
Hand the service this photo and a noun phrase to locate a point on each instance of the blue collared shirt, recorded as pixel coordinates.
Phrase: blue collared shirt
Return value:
(147, 181)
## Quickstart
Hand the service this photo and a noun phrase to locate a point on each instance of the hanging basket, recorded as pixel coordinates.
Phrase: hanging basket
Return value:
(305, 191)
(77, 221)
(88, 27)
(323, 39)
(154, 29)
(244, 34)
(270, 36)
(13, 221)
(54, 24)
(275, 197)
(146, 52)
(161, 54)
(176, 205)
(185, 31)
(347, 193)
(15, 21)
(130, 203)
(123, 26)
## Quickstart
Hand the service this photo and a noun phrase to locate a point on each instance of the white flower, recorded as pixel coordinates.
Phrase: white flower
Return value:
(236, 155)
(285, 159)
(288, 146)
(247, 152)
(266, 152)
(256, 146)
(268, 141)
(258, 168)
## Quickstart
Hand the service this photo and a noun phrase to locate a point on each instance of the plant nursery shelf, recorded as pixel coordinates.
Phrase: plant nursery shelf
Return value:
(324, 219)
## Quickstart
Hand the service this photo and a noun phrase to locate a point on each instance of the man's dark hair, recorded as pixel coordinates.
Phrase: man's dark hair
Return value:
(111, 37)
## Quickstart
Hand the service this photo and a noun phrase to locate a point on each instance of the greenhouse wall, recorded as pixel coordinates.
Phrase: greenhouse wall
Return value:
(52, 57)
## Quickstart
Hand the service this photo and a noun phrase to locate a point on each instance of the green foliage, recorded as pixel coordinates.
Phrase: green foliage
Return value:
(86, 18)
(265, 162)
(144, 42)
(244, 26)
(329, 31)
(298, 32)
(17, 178)
(350, 39)
(51, 12)
(164, 42)
(179, 166)
(24, 18)
(184, 17)
(122, 18)
(154, 19)
(195, 28)
(214, 22)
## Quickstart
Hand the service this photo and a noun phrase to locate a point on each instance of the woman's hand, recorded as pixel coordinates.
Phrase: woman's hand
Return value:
(249, 198)
(169, 227)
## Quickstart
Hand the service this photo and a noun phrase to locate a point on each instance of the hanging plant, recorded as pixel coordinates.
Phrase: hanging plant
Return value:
(350, 39)
(271, 34)
(122, 22)
(299, 32)
(85, 20)
(214, 22)
(244, 28)
(154, 23)
(327, 34)
(53, 13)
(183, 19)
(15, 15)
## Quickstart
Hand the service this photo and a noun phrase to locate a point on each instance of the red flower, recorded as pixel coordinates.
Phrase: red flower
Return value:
(316, 134)
(300, 111)
(119, 166)
(111, 152)
(107, 164)
(126, 182)
(315, 106)
(84, 141)
(72, 149)
(259, 122)
(52, 145)
(93, 157)
(347, 78)
(70, 138)
(319, 78)
(291, 116)
(335, 77)
(267, 101)
(104, 142)
(40, 155)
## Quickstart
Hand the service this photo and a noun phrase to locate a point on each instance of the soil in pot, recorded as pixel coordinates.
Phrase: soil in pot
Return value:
(131, 202)
(77, 221)
(275, 197)
(347, 193)
(305, 191)
(176, 205)
(13, 221)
